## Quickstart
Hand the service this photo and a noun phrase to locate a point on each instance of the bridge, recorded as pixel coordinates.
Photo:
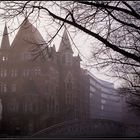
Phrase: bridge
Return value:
(87, 128)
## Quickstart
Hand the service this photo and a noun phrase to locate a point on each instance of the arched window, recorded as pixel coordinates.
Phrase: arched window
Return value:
(14, 72)
(3, 72)
(4, 88)
(13, 88)
(25, 106)
(1, 88)
(69, 82)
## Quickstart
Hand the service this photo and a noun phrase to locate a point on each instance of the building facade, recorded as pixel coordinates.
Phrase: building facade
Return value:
(105, 101)
(39, 86)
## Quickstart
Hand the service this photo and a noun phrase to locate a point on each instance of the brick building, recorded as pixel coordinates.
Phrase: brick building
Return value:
(39, 88)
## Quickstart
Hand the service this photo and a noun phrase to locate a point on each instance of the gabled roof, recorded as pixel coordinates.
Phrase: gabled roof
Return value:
(5, 44)
(65, 45)
(28, 37)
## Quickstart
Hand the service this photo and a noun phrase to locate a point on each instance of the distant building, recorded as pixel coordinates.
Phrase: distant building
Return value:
(105, 102)
(37, 93)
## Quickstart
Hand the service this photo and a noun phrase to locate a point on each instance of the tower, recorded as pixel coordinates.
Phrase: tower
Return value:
(69, 67)
(5, 45)
(4, 56)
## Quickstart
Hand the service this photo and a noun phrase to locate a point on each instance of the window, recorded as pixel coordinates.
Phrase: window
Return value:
(56, 108)
(63, 59)
(102, 107)
(92, 89)
(3, 72)
(91, 95)
(1, 88)
(69, 85)
(26, 56)
(30, 106)
(67, 98)
(15, 106)
(26, 72)
(69, 82)
(114, 98)
(4, 88)
(36, 108)
(25, 107)
(92, 82)
(103, 101)
(13, 87)
(13, 72)
(68, 59)
(37, 71)
(104, 95)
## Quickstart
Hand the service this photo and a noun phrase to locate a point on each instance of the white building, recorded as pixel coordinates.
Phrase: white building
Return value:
(105, 102)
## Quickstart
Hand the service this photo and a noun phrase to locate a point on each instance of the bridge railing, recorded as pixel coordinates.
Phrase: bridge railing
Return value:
(93, 127)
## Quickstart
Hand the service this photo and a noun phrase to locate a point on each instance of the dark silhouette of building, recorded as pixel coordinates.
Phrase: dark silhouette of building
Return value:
(39, 88)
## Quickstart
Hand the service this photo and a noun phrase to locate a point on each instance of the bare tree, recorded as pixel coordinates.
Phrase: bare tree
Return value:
(115, 24)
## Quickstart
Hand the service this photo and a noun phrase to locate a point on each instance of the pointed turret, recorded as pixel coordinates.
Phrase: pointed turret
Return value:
(27, 37)
(54, 49)
(78, 57)
(5, 44)
(65, 45)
